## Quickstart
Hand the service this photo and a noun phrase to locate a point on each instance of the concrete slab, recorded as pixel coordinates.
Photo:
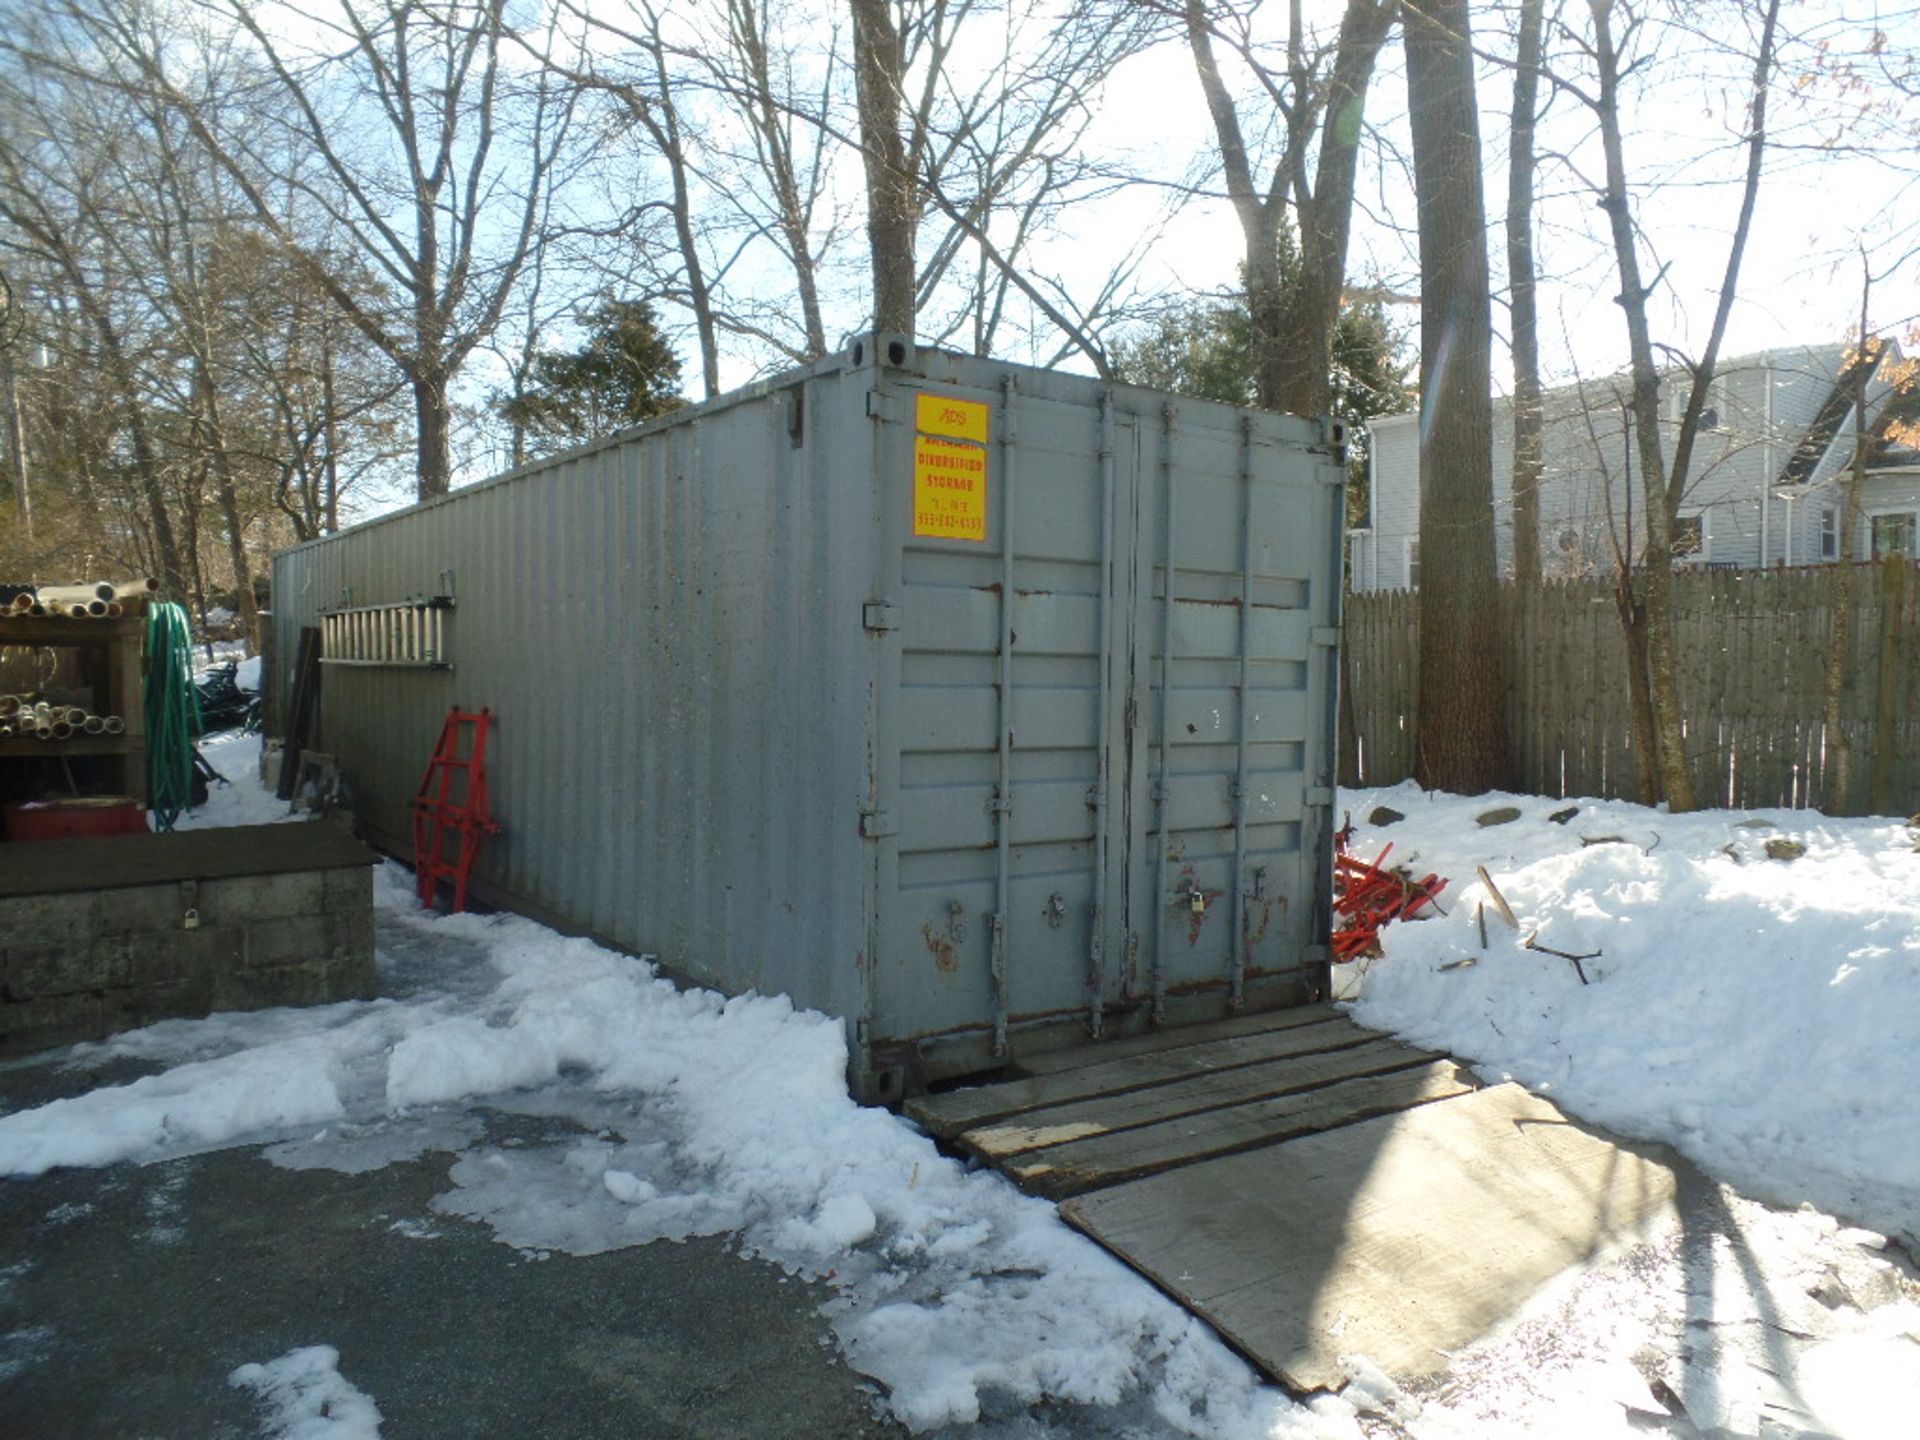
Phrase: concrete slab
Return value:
(1400, 1238)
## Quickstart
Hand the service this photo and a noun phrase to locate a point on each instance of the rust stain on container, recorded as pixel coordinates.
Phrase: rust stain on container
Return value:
(941, 949)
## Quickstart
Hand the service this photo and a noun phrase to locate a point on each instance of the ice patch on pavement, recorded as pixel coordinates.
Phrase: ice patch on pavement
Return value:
(307, 1398)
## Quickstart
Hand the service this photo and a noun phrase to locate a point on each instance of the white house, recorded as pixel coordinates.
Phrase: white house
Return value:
(1766, 485)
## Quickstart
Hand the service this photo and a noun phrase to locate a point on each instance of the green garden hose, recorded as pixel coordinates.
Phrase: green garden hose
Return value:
(173, 714)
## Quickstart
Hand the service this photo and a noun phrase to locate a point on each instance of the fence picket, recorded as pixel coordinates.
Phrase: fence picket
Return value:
(1752, 649)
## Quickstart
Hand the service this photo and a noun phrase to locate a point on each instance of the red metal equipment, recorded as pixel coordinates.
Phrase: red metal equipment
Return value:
(1367, 897)
(438, 813)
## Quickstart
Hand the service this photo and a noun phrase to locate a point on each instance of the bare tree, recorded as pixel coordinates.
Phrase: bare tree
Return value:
(55, 195)
(1461, 721)
(405, 130)
(1664, 483)
(892, 167)
(1319, 93)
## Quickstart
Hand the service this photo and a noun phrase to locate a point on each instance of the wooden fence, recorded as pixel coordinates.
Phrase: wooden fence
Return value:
(1753, 651)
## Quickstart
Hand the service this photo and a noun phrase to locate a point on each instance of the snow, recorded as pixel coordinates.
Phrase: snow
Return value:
(243, 800)
(308, 1399)
(1759, 1015)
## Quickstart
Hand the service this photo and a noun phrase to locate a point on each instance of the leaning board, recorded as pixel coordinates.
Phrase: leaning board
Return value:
(1399, 1238)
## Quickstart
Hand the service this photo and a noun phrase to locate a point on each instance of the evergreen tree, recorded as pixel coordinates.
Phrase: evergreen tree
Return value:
(623, 373)
(1204, 348)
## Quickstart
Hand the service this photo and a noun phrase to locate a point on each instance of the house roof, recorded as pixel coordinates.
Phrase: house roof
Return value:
(1805, 458)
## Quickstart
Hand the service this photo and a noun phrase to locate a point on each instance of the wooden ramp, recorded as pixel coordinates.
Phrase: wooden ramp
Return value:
(1309, 1188)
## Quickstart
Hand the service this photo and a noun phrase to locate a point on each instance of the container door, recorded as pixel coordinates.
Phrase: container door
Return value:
(1229, 807)
(1004, 903)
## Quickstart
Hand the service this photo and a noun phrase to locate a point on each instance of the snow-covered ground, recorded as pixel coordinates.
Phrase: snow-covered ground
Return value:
(1751, 1011)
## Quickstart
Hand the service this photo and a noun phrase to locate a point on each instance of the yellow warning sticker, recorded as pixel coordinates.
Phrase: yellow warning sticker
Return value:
(949, 488)
(955, 419)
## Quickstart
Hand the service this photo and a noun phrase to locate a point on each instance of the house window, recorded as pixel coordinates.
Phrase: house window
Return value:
(1893, 535)
(1413, 563)
(1829, 534)
(1690, 537)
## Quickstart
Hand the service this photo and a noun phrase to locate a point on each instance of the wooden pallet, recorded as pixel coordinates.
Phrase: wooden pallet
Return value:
(1084, 1119)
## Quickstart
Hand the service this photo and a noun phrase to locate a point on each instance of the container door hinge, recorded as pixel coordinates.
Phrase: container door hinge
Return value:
(1326, 635)
(878, 615)
(876, 823)
(880, 406)
(1319, 795)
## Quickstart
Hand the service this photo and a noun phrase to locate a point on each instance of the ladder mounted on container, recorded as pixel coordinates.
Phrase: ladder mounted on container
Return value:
(440, 814)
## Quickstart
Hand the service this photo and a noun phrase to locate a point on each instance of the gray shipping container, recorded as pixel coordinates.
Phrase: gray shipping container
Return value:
(861, 685)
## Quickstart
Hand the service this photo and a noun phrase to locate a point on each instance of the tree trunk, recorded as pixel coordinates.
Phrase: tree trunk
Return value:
(1838, 796)
(892, 208)
(1266, 312)
(1461, 721)
(146, 465)
(330, 508)
(1528, 421)
(16, 443)
(1646, 740)
(1302, 379)
(434, 431)
(227, 493)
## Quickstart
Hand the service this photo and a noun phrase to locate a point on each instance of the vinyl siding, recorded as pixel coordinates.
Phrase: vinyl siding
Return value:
(1764, 403)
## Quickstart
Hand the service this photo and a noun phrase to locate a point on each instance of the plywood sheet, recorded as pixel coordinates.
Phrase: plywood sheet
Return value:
(1400, 1238)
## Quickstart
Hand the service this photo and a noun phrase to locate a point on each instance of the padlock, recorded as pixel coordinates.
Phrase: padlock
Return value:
(190, 921)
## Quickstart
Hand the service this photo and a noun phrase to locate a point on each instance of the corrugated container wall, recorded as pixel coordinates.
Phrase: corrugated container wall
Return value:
(861, 685)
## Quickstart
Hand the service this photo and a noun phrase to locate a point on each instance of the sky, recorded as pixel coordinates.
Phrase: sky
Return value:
(1800, 279)
(1800, 283)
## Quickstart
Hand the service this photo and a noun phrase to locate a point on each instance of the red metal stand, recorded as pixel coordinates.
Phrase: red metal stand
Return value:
(1366, 897)
(438, 812)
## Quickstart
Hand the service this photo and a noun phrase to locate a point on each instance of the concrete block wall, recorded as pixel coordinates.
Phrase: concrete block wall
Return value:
(84, 964)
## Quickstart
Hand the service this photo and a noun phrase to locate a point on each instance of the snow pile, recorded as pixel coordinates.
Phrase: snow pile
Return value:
(307, 1398)
(190, 1107)
(1761, 1015)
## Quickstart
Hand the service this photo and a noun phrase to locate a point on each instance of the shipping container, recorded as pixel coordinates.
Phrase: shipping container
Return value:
(862, 685)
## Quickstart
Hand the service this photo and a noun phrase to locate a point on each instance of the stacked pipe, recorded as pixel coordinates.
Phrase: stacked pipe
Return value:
(22, 717)
(86, 600)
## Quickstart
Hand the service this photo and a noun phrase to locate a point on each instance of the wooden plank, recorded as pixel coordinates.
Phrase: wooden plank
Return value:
(957, 1110)
(1053, 1062)
(1213, 1090)
(1077, 1166)
(112, 862)
(1401, 1238)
